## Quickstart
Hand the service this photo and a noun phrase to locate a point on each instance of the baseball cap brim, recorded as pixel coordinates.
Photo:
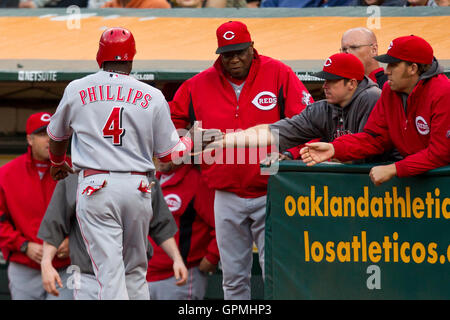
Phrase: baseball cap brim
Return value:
(40, 129)
(233, 47)
(327, 76)
(385, 58)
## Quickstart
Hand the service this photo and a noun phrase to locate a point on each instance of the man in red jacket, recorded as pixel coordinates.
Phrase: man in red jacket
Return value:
(412, 115)
(26, 188)
(242, 89)
(191, 203)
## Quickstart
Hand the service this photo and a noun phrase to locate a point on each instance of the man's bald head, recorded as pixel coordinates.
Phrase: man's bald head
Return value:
(362, 34)
(361, 42)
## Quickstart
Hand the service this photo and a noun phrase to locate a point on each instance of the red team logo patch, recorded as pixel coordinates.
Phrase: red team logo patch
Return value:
(265, 100)
(173, 202)
(422, 126)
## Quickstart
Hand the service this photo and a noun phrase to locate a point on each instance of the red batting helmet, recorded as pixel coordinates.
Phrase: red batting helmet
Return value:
(116, 44)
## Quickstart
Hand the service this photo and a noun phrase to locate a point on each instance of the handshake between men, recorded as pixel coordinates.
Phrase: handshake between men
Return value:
(214, 139)
(208, 140)
(204, 139)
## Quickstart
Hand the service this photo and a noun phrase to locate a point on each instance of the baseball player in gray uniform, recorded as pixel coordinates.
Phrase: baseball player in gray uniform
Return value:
(60, 222)
(117, 124)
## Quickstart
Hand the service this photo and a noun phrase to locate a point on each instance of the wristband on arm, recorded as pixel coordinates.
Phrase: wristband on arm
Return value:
(57, 161)
(182, 148)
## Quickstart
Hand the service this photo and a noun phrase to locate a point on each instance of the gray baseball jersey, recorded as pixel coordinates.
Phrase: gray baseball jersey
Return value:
(118, 123)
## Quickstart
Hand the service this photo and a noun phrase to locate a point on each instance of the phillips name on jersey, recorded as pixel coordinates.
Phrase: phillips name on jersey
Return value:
(114, 94)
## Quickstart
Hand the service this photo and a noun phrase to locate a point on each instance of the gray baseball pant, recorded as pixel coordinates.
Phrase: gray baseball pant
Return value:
(240, 222)
(114, 222)
(25, 283)
(88, 288)
(194, 289)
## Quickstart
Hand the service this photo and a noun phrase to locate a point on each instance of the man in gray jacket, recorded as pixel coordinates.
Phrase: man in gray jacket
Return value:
(60, 221)
(350, 97)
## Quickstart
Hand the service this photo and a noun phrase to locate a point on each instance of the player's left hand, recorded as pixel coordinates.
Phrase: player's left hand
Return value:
(49, 278)
(60, 172)
(180, 272)
(380, 174)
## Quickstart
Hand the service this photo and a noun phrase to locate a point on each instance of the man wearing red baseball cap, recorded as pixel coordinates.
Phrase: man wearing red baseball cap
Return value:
(26, 188)
(350, 97)
(411, 115)
(241, 89)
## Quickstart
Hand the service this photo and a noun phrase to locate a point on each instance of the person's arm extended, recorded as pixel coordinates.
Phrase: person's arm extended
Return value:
(257, 136)
(49, 274)
(179, 269)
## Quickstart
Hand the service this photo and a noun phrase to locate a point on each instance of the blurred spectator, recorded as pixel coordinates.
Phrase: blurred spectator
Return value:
(226, 4)
(236, 4)
(443, 3)
(95, 4)
(9, 3)
(188, 3)
(139, 4)
(303, 3)
(385, 3)
(417, 3)
(31, 4)
(253, 3)
(208, 3)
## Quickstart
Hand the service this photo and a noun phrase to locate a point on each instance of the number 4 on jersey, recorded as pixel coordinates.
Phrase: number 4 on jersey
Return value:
(113, 127)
